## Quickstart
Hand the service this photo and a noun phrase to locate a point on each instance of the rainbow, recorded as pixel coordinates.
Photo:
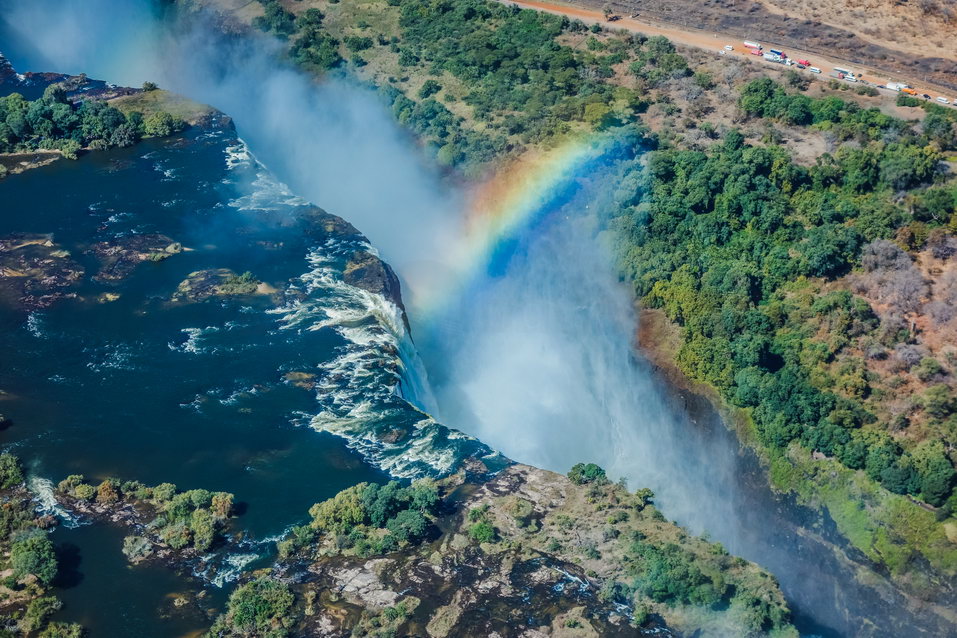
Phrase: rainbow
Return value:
(502, 208)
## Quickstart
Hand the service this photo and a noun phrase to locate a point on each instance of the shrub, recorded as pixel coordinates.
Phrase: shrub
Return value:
(429, 88)
(34, 555)
(62, 630)
(39, 611)
(136, 547)
(483, 532)
(939, 401)
(164, 492)
(582, 473)
(356, 43)
(107, 492)
(84, 492)
(161, 124)
(11, 471)
(260, 607)
(928, 368)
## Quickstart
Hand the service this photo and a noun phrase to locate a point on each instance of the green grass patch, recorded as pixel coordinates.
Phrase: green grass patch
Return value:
(157, 101)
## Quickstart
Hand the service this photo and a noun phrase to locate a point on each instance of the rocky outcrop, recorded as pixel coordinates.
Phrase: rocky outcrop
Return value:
(365, 270)
(218, 282)
(523, 552)
(35, 272)
(119, 257)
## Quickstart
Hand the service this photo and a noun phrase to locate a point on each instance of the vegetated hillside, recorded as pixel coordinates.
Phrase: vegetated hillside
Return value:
(526, 552)
(738, 243)
(761, 200)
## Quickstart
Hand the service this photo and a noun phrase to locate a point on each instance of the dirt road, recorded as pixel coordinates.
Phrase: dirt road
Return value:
(716, 42)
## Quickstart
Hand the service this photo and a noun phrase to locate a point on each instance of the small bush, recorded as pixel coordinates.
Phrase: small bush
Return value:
(483, 532)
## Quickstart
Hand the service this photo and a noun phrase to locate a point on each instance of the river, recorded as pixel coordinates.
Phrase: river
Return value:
(194, 393)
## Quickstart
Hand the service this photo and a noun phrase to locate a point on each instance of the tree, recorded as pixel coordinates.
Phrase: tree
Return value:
(164, 492)
(939, 401)
(483, 532)
(408, 525)
(222, 504)
(107, 493)
(203, 526)
(429, 88)
(11, 472)
(598, 115)
(39, 611)
(34, 555)
(341, 513)
(62, 630)
(582, 473)
(258, 608)
(159, 124)
(70, 149)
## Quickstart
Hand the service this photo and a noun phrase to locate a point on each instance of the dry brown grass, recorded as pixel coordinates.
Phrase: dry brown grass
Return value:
(922, 27)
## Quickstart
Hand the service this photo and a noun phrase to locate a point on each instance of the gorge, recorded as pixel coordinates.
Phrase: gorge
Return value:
(520, 332)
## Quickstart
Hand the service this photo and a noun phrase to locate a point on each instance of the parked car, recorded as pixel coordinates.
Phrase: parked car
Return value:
(728, 47)
(925, 96)
(814, 69)
(801, 66)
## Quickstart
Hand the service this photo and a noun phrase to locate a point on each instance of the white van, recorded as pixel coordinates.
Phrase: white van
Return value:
(943, 100)
(814, 69)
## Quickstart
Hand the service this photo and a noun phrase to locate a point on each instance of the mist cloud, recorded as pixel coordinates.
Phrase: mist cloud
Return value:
(334, 143)
(535, 362)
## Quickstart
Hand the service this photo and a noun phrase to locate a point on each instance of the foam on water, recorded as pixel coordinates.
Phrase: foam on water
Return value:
(194, 340)
(369, 394)
(45, 498)
(226, 570)
(34, 325)
(266, 192)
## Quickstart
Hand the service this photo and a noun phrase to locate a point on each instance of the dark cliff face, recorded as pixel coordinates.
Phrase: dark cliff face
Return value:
(7, 74)
(368, 272)
(364, 269)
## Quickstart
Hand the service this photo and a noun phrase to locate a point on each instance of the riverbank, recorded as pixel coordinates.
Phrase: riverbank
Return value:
(861, 535)
(524, 550)
(103, 116)
(16, 163)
